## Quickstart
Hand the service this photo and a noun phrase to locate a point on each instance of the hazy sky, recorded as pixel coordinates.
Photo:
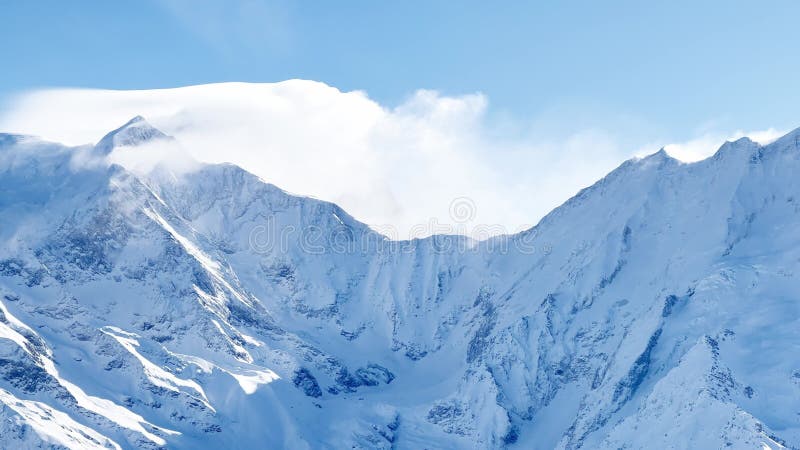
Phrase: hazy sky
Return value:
(575, 85)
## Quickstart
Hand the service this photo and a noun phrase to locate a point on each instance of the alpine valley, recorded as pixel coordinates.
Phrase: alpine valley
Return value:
(188, 306)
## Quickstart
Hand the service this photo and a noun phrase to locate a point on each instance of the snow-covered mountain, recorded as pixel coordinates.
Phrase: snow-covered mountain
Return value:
(200, 307)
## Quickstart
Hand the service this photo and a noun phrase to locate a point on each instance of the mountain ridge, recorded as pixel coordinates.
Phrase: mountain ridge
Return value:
(167, 301)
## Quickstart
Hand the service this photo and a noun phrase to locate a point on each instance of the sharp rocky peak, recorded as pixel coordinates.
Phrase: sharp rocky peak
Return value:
(135, 132)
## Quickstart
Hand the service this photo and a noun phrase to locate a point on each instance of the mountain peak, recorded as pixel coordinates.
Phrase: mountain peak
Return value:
(743, 146)
(659, 158)
(135, 132)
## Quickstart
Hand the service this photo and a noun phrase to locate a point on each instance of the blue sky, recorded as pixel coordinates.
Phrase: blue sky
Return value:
(674, 67)
(514, 105)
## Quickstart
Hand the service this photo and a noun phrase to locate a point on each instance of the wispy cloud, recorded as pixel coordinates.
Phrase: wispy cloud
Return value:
(233, 25)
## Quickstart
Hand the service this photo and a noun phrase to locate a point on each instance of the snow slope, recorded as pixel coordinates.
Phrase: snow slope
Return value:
(196, 306)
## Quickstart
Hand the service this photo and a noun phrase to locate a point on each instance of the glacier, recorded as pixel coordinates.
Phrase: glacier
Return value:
(191, 305)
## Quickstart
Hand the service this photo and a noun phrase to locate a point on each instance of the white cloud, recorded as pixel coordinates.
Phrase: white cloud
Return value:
(399, 166)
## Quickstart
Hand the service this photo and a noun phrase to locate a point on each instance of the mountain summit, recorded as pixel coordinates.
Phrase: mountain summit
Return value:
(135, 132)
(657, 308)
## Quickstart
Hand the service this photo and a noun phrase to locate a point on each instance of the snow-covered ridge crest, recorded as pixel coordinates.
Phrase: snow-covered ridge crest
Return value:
(136, 311)
(144, 150)
(135, 132)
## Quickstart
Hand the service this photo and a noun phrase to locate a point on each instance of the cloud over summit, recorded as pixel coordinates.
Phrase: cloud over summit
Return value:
(396, 168)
